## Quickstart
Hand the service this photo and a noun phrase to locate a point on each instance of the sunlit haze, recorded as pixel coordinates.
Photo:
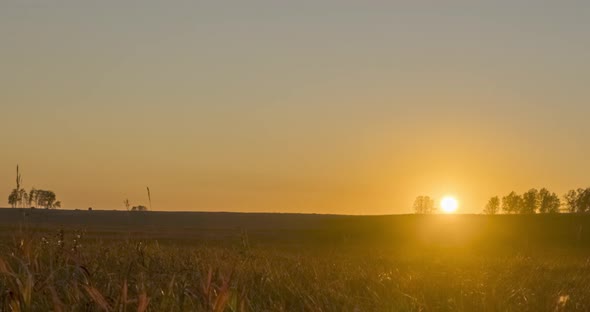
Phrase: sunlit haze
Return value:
(449, 204)
(346, 107)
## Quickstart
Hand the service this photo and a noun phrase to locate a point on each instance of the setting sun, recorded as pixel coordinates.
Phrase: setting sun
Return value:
(449, 204)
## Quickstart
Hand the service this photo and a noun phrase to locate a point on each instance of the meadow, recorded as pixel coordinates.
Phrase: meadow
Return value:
(57, 260)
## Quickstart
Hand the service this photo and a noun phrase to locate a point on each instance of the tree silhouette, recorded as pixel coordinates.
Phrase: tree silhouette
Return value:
(46, 199)
(493, 206)
(18, 196)
(578, 200)
(40, 198)
(548, 202)
(512, 203)
(584, 199)
(32, 197)
(13, 198)
(570, 200)
(533, 201)
(423, 205)
(23, 198)
(530, 201)
(43, 199)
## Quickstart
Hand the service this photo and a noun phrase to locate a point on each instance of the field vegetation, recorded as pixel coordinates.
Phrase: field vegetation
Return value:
(54, 260)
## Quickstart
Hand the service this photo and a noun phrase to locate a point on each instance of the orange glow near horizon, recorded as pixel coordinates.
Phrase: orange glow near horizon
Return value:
(304, 106)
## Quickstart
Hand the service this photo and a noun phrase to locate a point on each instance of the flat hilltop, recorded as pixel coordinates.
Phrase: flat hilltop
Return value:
(117, 219)
(545, 230)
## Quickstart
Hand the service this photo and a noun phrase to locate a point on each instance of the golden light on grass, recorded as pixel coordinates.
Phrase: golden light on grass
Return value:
(449, 204)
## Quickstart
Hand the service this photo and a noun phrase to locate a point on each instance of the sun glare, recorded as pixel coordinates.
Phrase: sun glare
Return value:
(449, 204)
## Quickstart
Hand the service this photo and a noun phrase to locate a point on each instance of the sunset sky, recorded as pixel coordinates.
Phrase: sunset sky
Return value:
(349, 107)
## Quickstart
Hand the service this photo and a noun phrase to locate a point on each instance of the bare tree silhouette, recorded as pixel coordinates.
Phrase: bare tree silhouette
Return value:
(423, 205)
(530, 201)
(18, 196)
(578, 200)
(548, 202)
(493, 206)
(512, 203)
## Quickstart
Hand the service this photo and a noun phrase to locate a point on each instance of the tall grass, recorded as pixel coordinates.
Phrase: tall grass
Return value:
(66, 271)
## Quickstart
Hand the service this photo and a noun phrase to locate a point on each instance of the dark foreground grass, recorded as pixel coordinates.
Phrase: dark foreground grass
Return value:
(69, 270)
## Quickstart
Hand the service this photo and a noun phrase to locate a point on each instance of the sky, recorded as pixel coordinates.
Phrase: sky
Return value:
(324, 106)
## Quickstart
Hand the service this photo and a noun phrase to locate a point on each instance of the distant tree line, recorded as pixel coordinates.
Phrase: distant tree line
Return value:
(139, 208)
(530, 202)
(35, 198)
(540, 201)
(424, 205)
(578, 200)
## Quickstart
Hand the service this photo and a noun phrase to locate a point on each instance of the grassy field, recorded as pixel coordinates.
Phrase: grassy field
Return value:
(156, 261)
